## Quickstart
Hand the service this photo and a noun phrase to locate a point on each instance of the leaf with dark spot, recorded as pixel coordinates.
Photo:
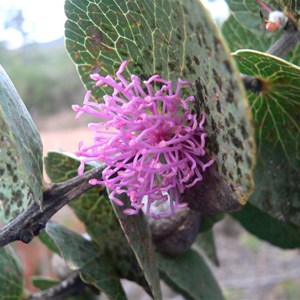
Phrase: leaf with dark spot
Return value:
(276, 116)
(94, 209)
(94, 265)
(198, 56)
(21, 166)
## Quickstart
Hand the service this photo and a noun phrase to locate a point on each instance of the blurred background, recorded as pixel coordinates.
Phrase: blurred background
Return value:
(33, 54)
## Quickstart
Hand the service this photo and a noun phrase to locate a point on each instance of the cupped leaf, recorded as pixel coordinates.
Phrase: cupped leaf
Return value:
(265, 227)
(174, 38)
(21, 165)
(94, 209)
(11, 275)
(276, 116)
(189, 275)
(95, 267)
(247, 12)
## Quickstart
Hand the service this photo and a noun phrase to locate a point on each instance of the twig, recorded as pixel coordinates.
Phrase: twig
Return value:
(280, 48)
(286, 42)
(71, 286)
(29, 223)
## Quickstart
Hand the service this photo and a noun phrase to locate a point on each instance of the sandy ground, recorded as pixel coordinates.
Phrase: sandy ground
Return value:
(64, 140)
(63, 133)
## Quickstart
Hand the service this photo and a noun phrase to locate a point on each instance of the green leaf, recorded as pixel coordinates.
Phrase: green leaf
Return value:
(208, 221)
(276, 117)
(206, 242)
(21, 165)
(95, 267)
(11, 275)
(94, 209)
(76, 250)
(189, 275)
(175, 38)
(247, 12)
(239, 37)
(43, 283)
(47, 241)
(139, 237)
(265, 227)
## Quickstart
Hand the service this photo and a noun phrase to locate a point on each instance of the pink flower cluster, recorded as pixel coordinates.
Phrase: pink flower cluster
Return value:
(148, 138)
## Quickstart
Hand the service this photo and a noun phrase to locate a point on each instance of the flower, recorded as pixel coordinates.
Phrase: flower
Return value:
(149, 139)
(277, 19)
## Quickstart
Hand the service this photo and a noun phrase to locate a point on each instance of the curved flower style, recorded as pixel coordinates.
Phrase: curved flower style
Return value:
(149, 139)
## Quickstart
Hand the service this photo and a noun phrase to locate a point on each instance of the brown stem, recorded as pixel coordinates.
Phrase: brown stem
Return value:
(29, 223)
(286, 42)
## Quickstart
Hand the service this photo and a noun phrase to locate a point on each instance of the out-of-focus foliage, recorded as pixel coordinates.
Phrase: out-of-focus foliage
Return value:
(44, 76)
(11, 277)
